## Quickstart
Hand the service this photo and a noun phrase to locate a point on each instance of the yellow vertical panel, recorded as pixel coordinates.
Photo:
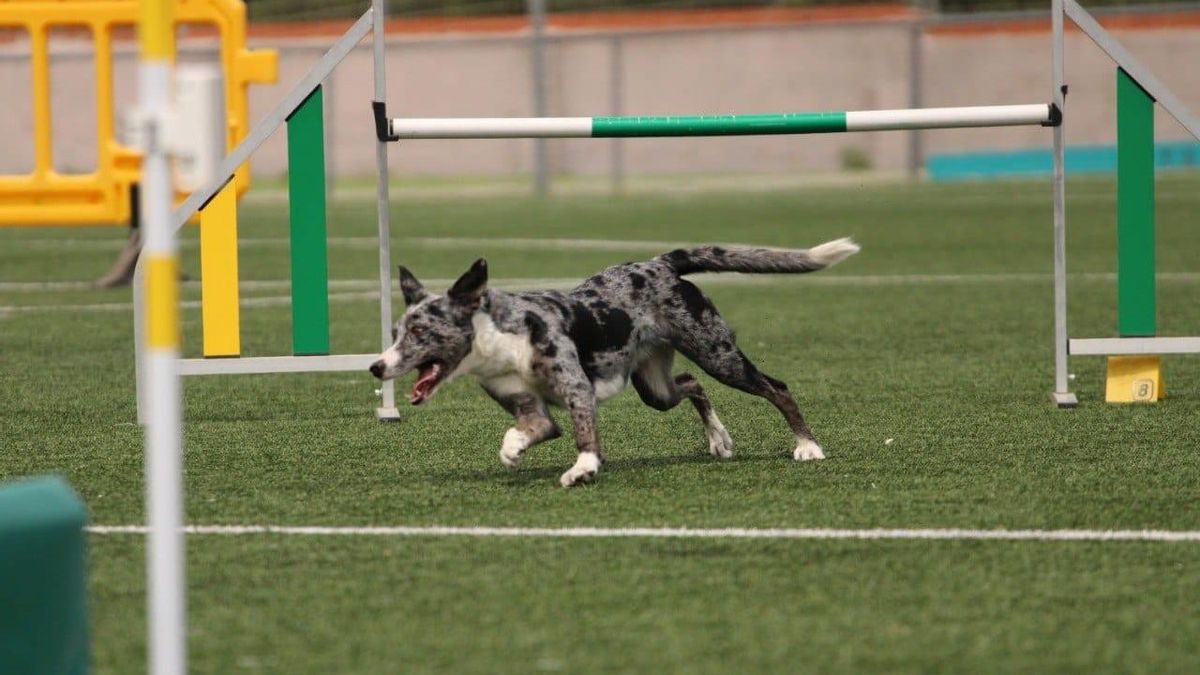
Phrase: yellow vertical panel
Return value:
(219, 275)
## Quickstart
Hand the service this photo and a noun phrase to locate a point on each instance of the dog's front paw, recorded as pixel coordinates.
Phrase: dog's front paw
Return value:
(515, 442)
(583, 472)
(807, 449)
(720, 444)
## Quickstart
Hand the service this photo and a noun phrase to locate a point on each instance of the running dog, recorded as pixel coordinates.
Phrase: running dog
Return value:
(580, 348)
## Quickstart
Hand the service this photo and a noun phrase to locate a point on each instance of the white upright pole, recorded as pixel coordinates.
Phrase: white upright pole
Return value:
(1062, 394)
(387, 408)
(166, 598)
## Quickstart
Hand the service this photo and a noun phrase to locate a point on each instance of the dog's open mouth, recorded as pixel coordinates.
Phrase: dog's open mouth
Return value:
(429, 376)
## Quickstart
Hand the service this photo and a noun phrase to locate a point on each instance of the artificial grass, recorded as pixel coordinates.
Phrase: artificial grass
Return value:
(955, 371)
(423, 605)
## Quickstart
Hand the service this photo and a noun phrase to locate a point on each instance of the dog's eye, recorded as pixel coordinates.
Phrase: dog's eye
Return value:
(416, 331)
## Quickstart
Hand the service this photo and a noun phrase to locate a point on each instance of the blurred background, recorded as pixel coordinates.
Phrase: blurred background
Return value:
(462, 58)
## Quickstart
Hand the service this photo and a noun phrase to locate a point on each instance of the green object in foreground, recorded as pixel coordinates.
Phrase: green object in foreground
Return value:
(1135, 209)
(306, 199)
(43, 616)
(729, 125)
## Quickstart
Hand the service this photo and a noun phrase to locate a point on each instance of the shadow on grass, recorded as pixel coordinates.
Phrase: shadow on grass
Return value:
(282, 414)
(525, 476)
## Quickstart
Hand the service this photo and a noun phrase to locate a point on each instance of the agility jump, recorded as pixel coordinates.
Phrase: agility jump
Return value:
(1134, 367)
(300, 111)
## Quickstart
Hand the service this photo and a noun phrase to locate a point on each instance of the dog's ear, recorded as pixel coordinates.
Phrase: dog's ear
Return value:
(412, 289)
(471, 285)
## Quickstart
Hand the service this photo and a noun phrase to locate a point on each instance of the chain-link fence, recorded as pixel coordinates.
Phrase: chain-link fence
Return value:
(301, 10)
(888, 60)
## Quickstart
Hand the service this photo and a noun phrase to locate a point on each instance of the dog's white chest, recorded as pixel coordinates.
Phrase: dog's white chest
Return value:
(503, 362)
(495, 353)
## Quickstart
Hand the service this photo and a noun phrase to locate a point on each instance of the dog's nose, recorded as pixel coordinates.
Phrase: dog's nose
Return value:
(377, 369)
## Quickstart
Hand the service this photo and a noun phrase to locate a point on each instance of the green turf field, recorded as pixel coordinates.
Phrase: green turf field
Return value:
(924, 365)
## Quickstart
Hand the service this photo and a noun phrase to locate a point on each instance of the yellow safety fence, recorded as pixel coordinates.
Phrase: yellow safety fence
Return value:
(45, 197)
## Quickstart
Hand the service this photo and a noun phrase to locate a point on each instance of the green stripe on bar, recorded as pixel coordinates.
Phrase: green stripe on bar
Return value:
(306, 200)
(1135, 209)
(720, 125)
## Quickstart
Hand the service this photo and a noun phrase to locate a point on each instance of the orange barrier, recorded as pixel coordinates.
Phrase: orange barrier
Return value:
(45, 197)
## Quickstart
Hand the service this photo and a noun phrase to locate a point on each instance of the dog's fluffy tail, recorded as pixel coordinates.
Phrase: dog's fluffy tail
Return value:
(758, 260)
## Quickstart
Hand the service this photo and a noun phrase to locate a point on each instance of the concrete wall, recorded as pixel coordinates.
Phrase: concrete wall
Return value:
(753, 69)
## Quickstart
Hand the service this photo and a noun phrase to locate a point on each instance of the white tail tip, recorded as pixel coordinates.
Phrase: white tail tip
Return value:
(833, 252)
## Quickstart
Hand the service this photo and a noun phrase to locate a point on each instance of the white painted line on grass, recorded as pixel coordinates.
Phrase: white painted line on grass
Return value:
(718, 279)
(84, 308)
(530, 243)
(674, 533)
(492, 243)
(261, 301)
(567, 283)
(519, 243)
(34, 286)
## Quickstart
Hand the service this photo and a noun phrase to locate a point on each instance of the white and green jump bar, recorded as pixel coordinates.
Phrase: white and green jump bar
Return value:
(1043, 114)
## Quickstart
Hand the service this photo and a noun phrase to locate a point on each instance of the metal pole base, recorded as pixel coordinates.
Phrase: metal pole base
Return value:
(1064, 399)
(387, 414)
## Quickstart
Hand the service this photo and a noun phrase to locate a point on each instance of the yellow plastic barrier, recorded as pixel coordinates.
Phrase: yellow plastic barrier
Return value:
(45, 197)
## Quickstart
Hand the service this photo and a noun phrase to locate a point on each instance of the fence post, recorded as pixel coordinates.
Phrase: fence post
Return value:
(537, 40)
(916, 61)
(616, 93)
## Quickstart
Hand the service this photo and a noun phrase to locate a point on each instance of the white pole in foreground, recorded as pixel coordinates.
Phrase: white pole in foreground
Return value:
(166, 599)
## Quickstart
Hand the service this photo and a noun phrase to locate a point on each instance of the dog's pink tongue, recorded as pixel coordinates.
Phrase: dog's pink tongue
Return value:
(426, 379)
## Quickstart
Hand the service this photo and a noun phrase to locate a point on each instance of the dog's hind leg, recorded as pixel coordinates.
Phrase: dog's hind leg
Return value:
(703, 336)
(533, 425)
(659, 390)
(735, 370)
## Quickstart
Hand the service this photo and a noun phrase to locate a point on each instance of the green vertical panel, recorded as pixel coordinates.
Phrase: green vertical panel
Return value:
(43, 615)
(1135, 208)
(306, 199)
